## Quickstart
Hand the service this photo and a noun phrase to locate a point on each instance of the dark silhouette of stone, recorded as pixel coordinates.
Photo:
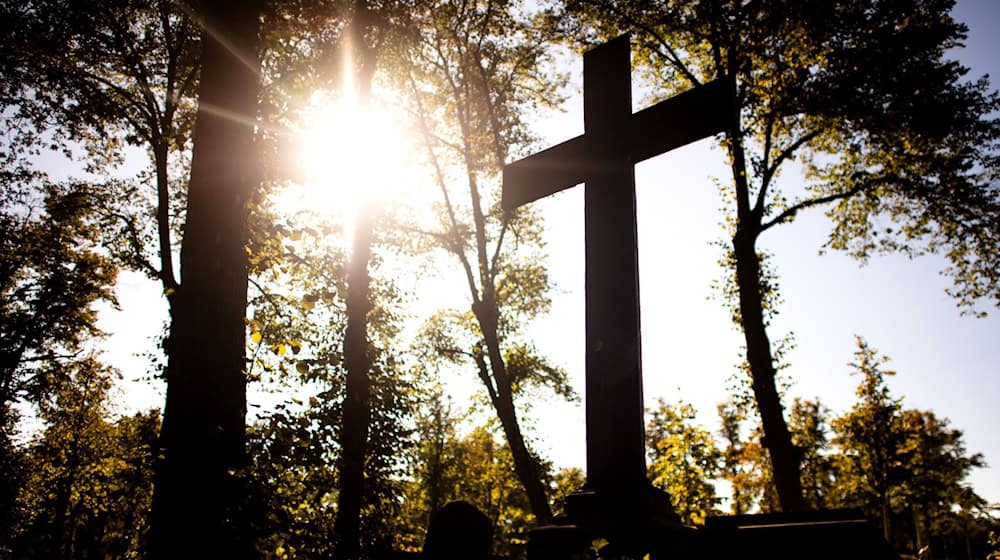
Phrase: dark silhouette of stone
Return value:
(458, 531)
(817, 535)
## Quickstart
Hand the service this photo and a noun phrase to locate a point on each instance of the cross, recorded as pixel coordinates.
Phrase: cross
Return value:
(603, 158)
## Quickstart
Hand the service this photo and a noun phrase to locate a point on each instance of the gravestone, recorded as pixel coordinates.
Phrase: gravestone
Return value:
(458, 531)
(816, 535)
(618, 506)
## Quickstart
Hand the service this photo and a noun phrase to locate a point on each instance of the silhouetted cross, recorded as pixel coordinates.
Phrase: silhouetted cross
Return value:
(604, 158)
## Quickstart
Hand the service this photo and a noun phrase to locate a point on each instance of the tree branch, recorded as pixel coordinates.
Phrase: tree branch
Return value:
(484, 375)
(790, 212)
(138, 258)
(671, 54)
(439, 176)
(769, 171)
(505, 224)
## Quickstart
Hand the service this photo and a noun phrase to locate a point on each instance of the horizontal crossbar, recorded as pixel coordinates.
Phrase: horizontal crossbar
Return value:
(668, 125)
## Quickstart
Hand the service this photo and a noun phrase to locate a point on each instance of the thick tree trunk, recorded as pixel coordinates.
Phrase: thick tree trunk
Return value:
(357, 398)
(357, 411)
(777, 439)
(197, 497)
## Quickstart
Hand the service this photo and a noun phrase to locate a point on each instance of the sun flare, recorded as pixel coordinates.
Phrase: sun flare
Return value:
(351, 155)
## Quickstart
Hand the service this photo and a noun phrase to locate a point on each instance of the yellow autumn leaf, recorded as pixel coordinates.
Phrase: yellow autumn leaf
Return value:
(309, 300)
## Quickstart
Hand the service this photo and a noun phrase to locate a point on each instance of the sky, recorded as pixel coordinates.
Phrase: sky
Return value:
(944, 361)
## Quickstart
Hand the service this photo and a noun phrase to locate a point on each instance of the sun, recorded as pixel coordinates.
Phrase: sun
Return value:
(352, 156)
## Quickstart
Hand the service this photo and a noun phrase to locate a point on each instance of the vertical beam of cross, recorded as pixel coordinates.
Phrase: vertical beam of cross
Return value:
(616, 457)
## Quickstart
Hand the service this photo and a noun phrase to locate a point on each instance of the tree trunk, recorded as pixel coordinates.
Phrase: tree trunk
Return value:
(777, 439)
(918, 531)
(197, 497)
(785, 458)
(525, 464)
(161, 156)
(435, 467)
(357, 412)
(357, 398)
(886, 527)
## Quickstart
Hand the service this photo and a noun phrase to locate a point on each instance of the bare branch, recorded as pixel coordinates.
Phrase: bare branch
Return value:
(136, 245)
(671, 55)
(790, 212)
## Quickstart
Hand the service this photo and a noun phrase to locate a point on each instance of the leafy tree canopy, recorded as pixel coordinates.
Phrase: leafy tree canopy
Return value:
(90, 479)
(51, 275)
(685, 460)
(893, 138)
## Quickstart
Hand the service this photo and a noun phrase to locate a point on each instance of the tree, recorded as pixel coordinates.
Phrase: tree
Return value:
(109, 74)
(203, 437)
(473, 72)
(358, 354)
(298, 320)
(474, 467)
(870, 436)
(809, 424)
(738, 464)
(51, 276)
(747, 467)
(934, 492)
(904, 466)
(105, 76)
(895, 145)
(684, 461)
(90, 480)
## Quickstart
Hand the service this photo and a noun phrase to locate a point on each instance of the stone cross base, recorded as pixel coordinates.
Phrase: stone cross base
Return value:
(621, 525)
(619, 533)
